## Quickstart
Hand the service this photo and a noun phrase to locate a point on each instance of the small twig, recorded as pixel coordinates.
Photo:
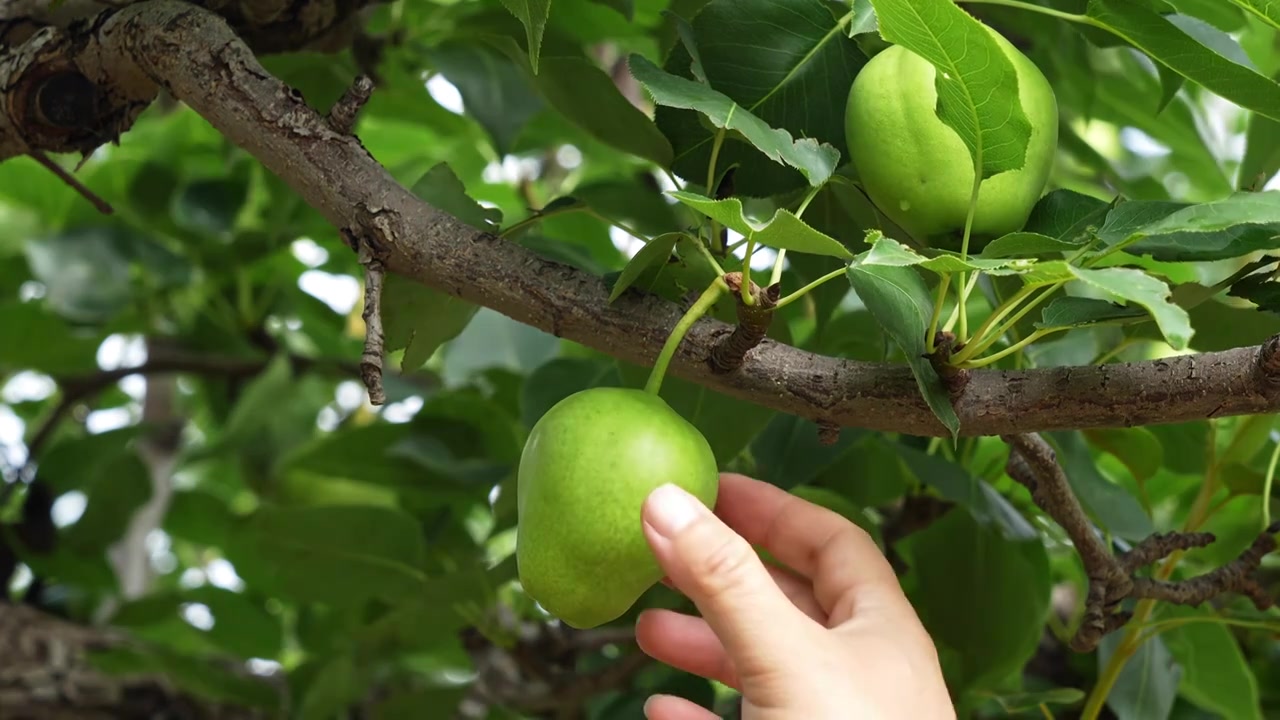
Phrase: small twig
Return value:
(343, 114)
(1236, 576)
(1161, 546)
(1033, 463)
(102, 205)
(753, 323)
(828, 433)
(370, 252)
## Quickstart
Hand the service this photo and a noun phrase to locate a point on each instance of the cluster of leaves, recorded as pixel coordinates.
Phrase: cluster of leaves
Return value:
(363, 541)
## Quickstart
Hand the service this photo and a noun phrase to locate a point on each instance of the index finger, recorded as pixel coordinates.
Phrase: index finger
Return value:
(840, 558)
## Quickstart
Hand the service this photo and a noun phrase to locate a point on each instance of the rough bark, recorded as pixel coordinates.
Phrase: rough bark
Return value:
(46, 674)
(198, 58)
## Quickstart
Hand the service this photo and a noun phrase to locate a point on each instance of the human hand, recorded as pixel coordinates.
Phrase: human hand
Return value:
(836, 639)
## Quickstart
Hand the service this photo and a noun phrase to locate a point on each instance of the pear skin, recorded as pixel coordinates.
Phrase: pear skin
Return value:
(587, 467)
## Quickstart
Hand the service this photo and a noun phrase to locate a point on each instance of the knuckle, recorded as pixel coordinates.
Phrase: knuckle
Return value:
(725, 564)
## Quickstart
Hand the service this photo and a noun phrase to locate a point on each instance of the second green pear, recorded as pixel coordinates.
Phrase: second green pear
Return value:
(586, 469)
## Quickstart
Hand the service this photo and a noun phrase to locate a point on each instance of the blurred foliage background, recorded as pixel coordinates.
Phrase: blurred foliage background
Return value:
(190, 457)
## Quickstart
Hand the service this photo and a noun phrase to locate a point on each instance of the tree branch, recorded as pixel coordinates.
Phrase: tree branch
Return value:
(194, 54)
(1033, 463)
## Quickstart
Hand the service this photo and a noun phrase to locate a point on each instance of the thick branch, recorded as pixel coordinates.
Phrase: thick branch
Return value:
(196, 56)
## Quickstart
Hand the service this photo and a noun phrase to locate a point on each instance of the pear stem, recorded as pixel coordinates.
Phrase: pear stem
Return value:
(691, 316)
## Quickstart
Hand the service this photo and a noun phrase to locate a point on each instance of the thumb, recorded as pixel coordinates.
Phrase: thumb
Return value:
(720, 572)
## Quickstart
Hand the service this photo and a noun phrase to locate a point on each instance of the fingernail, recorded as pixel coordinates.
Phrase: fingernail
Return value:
(671, 509)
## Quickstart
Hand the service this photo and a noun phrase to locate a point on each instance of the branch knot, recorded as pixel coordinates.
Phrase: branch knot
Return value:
(753, 323)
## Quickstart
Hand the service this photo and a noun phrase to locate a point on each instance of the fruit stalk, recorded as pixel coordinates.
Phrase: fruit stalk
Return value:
(699, 308)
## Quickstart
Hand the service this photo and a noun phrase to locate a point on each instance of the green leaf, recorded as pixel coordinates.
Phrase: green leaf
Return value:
(1266, 10)
(1145, 290)
(788, 453)
(533, 15)
(1065, 215)
(1222, 16)
(956, 484)
(1261, 153)
(420, 319)
(1216, 675)
(784, 230)
(655, 252)
(435, 703)
(626, 8)
(120, 485)
(1069, 312)
(980, 593)
(241, 626)
(441, 187)
(339, 554)
(889, 252)
(85, 272)
(1168, 45)
(209, 206)
(495, 340)
(1032, 701)
(494, 90)
(1108, 504)
(1137, 447)
(588, 97)
(816, 161)
(1026, 245)
(451, 600)
(254, 411)
(818, 63)
(1240, 224)
(976, 82)
(50, 344)
(1240, 208)
(337, 684)
(900, 302)
(1148, 684)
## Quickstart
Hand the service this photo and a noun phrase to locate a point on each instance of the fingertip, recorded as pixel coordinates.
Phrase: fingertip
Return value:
(670, 707)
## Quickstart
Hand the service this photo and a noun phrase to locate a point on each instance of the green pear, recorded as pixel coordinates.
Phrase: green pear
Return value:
(586, 469)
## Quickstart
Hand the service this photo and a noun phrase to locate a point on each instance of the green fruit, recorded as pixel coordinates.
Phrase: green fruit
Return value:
(587, 467)
(917, 170)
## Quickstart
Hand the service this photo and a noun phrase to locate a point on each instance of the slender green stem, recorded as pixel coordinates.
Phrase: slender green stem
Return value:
(954, 317)
(621, 226)
(538, 217)
(715, 159)
(980, 362)
(804, 204)
(1029, 7)
(776, 276)
(938, 302)
(1003, 310)
(993, 336)
(747, 298)
(804, 290)
(964, 286)
(711, 173)
(710, 258)
(736, 245)
(1267, 485)
(699, 308)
